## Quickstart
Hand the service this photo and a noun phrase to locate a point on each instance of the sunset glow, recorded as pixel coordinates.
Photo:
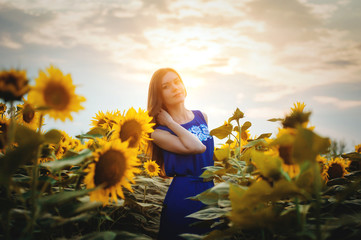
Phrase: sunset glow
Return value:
(271, 53)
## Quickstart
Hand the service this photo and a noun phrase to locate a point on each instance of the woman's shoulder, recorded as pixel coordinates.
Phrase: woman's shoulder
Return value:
(201, 114)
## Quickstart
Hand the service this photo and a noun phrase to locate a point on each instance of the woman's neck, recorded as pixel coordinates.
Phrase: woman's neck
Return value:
(180, 114)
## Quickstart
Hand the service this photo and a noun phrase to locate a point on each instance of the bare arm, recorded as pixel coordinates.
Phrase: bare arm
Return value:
(183, 143)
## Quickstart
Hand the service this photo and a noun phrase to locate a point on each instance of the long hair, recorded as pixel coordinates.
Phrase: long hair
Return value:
(155, 104)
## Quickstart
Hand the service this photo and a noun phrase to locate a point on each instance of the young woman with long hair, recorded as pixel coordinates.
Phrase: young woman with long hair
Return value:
(182, 147)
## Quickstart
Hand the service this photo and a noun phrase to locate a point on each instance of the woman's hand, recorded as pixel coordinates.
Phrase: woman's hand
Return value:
(183, 142)
(164, 118)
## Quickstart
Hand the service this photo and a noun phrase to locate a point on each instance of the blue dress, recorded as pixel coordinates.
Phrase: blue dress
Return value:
(186, 170)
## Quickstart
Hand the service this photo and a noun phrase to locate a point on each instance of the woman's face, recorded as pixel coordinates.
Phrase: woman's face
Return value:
(173, 89)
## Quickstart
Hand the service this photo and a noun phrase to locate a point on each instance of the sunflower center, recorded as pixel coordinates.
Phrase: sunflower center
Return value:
(110, 168)
(56, 96)
(28, 113)
(14, 80)
(286, 154)
(335, 171)
(151, 168)
(131, 129)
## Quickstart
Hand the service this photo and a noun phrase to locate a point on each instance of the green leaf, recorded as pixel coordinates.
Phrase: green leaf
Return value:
(115, 235)
(236, 115)
(96, 132)
(55, 166)
(213, 195)
(53, 136)
(255, 143)
(245, 126)
(11, 161)
(6, 204)
(62, 197)
(308, 145)
(100, 235)
(221, 153)
(275, 119)
(236, 129)
(222, 131)
(209, 213)
(25, 135)
(191, 236)
(264, 135)
(269, 166)
(238, 164)
(352, 156)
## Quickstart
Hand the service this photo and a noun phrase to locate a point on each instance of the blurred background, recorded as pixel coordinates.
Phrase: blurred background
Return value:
(258, 55)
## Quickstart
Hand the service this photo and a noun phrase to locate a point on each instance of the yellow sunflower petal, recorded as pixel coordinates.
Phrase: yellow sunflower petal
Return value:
(114, 167)
(56, 92)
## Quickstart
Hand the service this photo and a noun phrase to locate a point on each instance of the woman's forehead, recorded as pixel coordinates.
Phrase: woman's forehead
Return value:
(169, 76)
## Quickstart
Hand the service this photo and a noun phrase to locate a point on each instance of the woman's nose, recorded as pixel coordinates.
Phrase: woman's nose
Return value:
(175, 87)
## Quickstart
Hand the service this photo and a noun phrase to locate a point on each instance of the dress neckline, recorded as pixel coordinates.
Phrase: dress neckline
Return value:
(194, 117)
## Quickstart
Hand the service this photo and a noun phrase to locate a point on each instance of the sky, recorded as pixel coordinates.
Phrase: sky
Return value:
(258, 55)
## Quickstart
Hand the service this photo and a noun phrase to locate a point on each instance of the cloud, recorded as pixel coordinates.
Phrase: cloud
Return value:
(6, 41)
(265, 113)
(274, 95)
(347, 19)
(339, 103)
(15, 23)
(284, 21)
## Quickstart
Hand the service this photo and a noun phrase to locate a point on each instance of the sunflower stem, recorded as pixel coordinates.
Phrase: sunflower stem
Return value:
(34, 194)
(318, 200)
(298, 214)
(239, 140)
(11, 134)
(145, 190)
(10, 140)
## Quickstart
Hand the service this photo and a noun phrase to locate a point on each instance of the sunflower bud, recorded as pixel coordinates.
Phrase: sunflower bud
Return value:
(2, 108)
(295, 119)
(28, 113)
(3, 133)
(13, 85)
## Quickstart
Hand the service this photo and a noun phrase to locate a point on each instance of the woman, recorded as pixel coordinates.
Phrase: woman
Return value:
(182, 147)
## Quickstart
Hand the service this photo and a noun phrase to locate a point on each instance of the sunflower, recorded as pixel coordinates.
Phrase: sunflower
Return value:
(56, 92)
(2, 108)
(13, 85)
(105, 120)
(152, 168)
(298, 107)
(297, 117)
(335, 168)
(322, 161)
(115, 165)
(4, 125)
(284, 147)
(135, 127)
(63, 145)
(358, 148)
(26, 115)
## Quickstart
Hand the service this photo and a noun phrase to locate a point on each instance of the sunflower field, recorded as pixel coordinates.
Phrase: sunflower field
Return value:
(103, 184)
